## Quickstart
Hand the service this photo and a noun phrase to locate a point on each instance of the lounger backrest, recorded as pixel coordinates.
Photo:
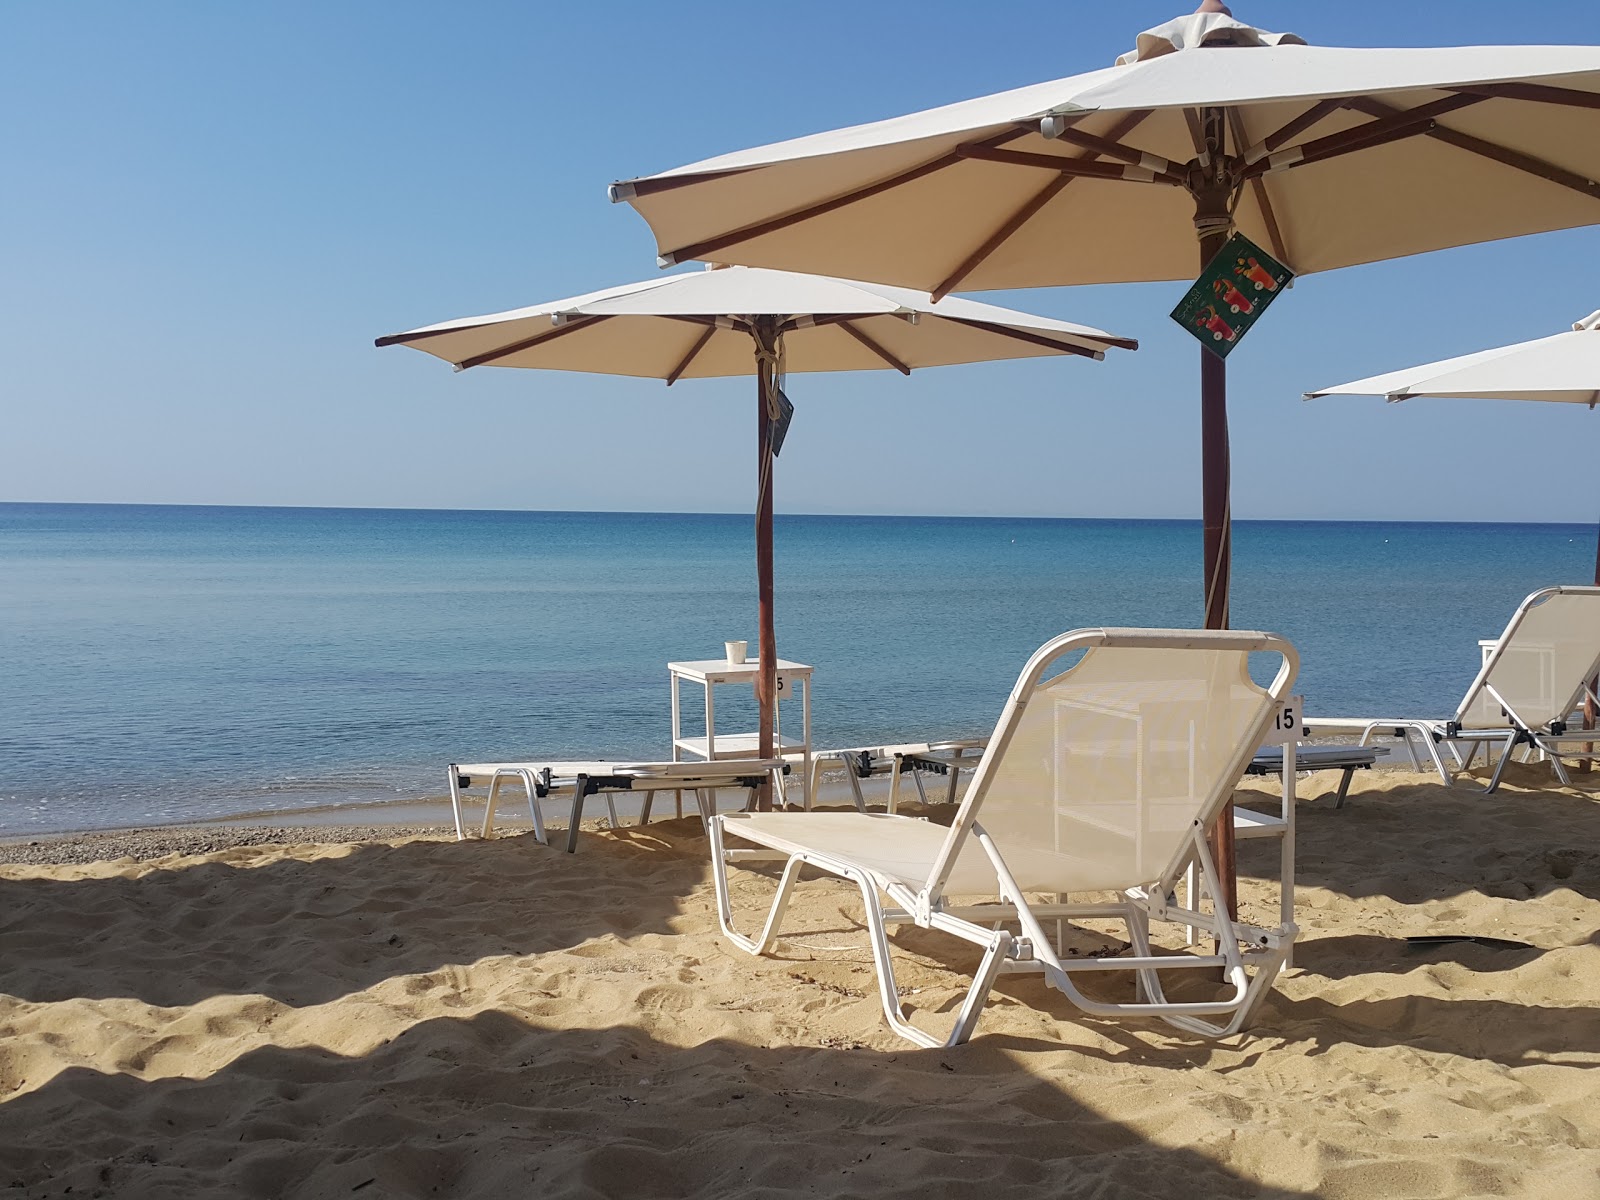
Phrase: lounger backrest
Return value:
(1097, 772)
(1536, 672)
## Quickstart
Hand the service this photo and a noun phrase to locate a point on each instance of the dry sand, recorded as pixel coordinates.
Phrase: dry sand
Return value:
(416, 1017)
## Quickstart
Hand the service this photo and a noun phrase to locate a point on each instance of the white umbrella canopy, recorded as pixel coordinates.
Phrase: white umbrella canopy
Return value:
(752, 321)
(1563, 368)
(1323, 151)
(698, 324)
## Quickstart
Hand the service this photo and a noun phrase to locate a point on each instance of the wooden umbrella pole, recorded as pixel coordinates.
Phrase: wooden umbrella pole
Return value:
(1212, 221)
(767, 645)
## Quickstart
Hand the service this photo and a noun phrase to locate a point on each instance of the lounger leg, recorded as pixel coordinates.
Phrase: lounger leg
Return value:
(780, 902)
(994, 955)
(1500, 767)
(1411, 749)
(611, 811)
(1560, 767)
(916, 778)
(644, 813)
(490, 803)
(972, 1007)
(894, 784)
(533, 808)
(1344, 786)
(1432, 743)
(455, 802)
(855, 788)
(580, 791)
(1191, 899)
(955, 778)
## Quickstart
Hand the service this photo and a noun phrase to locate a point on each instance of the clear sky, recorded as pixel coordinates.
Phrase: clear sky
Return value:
(210, 210)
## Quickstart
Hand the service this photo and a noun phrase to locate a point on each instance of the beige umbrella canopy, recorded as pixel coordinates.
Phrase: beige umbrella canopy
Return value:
(1563, 368)
(1325, 156)
(743, 321)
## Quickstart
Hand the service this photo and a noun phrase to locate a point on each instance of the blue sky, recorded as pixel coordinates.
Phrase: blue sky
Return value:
(211, 210)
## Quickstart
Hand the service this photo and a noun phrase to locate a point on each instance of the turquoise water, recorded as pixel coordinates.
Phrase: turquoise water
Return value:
(163, 664)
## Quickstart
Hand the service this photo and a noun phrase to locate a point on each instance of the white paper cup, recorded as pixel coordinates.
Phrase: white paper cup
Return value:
(736, 652)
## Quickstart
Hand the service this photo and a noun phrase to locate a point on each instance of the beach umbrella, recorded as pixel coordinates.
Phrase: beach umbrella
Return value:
(1325, 156)
(749, 321)
(1563, 368)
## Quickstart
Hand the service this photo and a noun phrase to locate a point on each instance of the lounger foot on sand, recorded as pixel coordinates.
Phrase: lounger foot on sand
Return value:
(1102, 776)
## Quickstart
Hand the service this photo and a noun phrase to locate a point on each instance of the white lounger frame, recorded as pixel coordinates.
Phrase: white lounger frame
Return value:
(1543, 733)
(1250, 958)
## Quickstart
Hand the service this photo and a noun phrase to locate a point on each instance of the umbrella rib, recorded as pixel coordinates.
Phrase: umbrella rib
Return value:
(1504, 155)
(1537, 93)
(1023, 215)
(625, 190)
(1258, 188)
(1071, 166)
(1293, 128)
(874, 347)
(1036, 339)
(1191, 117)
(683, 365)
(1396, 125)
(822, 208)
(1111, 147)
(405, 339)
(490, 356)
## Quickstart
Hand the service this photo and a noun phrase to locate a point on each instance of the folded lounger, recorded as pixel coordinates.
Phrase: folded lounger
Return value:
(580, 780)
(1102, 775)
(1525, 693)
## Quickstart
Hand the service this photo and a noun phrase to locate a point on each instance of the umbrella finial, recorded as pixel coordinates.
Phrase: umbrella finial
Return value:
(1214, 6)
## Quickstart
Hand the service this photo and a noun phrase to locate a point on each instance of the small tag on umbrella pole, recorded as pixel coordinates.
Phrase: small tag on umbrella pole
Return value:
(779, 428)
(1231, 294)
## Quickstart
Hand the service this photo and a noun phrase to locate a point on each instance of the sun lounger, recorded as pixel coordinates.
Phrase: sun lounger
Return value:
(1525, 693)
(1102, 775)
(578, 781)
(947, 758)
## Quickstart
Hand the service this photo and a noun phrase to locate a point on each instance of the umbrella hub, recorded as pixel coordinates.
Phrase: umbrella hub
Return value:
(1592, 321)
(1213, 25)
(1213, 179)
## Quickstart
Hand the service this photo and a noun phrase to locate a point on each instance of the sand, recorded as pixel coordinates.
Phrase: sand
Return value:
(411, 1016)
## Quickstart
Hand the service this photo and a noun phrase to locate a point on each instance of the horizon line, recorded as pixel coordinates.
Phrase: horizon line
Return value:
(777, 516)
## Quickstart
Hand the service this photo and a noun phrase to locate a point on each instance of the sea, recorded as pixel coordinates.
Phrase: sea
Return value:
(169, 664)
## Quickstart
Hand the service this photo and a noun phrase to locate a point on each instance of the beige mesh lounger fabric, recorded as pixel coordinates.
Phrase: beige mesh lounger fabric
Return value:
(580, 780)
(1524, 694)
(1102, 775)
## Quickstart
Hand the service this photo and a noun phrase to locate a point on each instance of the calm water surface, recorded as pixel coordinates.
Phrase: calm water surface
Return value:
(163, 664)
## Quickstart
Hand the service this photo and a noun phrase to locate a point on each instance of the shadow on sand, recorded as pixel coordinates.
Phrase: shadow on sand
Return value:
(1423, 841)
(493, 1106)
(306, 932)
